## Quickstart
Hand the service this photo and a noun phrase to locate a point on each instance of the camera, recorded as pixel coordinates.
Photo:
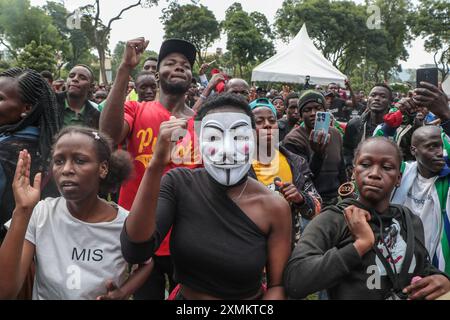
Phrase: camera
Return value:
(307, 85)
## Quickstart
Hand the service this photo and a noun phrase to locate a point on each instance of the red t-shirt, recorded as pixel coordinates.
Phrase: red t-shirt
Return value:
(144, 120)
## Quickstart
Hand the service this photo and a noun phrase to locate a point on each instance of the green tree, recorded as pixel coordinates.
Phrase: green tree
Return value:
(249, 38)
(191, 22)
(117, 59)
(76, 47)
(431, 20)
(334, 26)
(37, 57)
(393, 35)
(98, 33)
(20, 24)
(339, 29)
(4, 65)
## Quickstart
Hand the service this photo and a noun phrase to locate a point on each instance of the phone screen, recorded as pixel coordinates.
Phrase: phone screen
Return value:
(429, 75)
(322, 123)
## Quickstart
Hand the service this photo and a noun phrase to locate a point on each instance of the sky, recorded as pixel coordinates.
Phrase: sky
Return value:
(145, 22)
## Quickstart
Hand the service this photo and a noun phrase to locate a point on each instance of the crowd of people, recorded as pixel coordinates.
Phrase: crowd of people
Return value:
(170, 187)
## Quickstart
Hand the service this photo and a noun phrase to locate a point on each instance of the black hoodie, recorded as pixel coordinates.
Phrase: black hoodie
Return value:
(326, 258)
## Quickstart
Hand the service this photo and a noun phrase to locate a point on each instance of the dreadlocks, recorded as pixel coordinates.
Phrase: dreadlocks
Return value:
(34, 90)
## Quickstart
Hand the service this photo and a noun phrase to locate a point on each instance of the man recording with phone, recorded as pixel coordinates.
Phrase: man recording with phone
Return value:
(323, 150)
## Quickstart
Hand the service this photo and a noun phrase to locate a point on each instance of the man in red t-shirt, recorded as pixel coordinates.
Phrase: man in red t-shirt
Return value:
(138, 123)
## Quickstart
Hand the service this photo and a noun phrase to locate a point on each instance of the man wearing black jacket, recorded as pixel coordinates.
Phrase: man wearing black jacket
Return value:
(325, 158)
(285, 125)
(358, 129)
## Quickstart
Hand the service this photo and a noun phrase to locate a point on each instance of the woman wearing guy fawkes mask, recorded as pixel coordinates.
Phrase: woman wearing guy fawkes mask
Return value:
(227, 227)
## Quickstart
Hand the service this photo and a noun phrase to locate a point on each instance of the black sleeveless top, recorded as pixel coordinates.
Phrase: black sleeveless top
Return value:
(216, 248)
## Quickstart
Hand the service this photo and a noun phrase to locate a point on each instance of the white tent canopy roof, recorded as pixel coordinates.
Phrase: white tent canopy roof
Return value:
(299, 59)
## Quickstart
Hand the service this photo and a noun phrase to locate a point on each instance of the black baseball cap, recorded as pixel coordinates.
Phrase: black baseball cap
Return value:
(177, 46)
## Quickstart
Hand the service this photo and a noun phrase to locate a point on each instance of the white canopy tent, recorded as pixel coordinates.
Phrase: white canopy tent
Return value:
(299, 59)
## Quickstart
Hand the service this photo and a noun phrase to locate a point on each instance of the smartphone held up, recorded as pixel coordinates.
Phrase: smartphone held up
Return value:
(322, 124)
(429, 75)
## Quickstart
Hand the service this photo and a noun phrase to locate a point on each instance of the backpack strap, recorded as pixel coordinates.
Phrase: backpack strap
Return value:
(410, 246)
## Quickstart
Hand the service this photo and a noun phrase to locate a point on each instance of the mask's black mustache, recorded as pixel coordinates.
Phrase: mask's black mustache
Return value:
(234, 162)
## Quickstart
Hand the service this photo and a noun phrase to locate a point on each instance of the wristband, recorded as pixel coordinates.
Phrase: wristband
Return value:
(203, 97)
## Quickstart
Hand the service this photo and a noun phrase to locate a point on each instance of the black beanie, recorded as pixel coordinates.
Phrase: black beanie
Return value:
(309, 96)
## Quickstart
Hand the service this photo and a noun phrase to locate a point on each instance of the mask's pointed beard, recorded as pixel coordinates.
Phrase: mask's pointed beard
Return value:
(228, 175)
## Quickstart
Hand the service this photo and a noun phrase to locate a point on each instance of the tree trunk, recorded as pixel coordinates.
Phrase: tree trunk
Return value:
(10, 50)
(445, 67)
(377, 79)
(240, 70)
(58, 70)
(200, 57)
(101, 55)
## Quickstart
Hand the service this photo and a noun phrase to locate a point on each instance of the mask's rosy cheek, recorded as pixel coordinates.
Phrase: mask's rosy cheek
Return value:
(212, 151)
(246, 148)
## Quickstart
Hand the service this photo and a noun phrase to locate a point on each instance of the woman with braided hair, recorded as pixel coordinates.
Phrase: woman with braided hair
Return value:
(28, 120)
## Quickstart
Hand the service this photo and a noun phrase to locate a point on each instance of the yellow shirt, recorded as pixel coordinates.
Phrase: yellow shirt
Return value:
(278, 167)
(132, 96)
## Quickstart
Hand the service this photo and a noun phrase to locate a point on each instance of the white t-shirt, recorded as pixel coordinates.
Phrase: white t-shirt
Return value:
(74, 258)
(420, 201)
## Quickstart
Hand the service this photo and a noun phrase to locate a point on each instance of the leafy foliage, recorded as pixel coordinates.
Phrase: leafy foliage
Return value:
(431, 19)
(249, 38)
(191, 22)
(37, 57)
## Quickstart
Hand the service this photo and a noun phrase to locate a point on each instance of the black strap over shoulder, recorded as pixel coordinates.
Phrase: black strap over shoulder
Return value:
(401, 280)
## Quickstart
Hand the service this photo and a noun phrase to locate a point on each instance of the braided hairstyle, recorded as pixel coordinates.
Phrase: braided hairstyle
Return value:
(120, 165)
(33, 89)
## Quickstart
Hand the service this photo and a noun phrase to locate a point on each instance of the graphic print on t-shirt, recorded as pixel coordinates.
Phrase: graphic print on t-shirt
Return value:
(397, 248)
(185, 152)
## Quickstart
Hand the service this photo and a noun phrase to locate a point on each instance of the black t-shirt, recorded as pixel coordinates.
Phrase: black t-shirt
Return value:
(284, 128)
(361, 107)
(215, 247)
(339, 110)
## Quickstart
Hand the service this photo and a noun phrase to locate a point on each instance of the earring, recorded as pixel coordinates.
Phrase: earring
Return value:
(23, 115)
(104, 174)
